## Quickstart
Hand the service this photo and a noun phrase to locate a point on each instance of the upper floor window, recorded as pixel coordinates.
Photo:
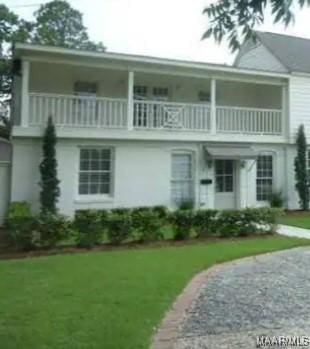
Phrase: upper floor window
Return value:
(95, 175)
(160, 93)
(204, 96)
(264, 177)
(140, 92)
(85, 88)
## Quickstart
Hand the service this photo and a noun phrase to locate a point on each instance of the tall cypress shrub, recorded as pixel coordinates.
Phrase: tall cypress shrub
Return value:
(48, 169)
(301, 175)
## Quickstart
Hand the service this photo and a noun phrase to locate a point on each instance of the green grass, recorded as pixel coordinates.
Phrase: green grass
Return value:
(296, 219)
(109, 300)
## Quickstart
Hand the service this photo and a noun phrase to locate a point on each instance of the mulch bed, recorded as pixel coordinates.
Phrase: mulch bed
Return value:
(9, 253)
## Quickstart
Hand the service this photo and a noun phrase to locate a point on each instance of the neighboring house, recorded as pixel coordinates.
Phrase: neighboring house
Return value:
(138, 131)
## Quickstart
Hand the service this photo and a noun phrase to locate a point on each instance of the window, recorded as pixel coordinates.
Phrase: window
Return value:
(264, 177)
(86, 104)
(204, 96)
(140, 92)
(224, 176)
(160, 93)
(85, 88)
(182, 181)
(95, 171)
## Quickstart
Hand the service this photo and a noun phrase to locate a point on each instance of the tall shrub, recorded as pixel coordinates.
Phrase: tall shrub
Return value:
(302, 182)
(48, 169)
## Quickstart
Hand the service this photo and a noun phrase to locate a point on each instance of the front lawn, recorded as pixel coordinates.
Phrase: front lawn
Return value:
(110, 300)
(299, 219)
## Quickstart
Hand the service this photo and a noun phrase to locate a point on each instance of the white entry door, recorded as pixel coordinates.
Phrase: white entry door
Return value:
(225, 184)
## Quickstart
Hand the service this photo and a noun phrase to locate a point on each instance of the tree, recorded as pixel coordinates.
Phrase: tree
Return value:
(235, 19)
(301, 175)
(48, 170)
(58, 24)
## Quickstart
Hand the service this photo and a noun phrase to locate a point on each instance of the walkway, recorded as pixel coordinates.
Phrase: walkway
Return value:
(294, 231)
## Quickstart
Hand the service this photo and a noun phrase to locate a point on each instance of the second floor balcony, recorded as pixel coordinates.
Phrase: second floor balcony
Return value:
(112, 113)
(108, 103)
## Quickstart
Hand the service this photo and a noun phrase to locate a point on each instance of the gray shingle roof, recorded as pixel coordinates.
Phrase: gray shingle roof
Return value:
(292, 51)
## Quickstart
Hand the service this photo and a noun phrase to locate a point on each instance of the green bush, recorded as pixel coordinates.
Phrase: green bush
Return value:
(182, 222)
(162, 211)
(119, 227)
(205, 222)
(276, 200)
(51, 228)
(234, 223)
(186, 205)
(89, 226)
(19, 224)
(122, 210)
(146, 224)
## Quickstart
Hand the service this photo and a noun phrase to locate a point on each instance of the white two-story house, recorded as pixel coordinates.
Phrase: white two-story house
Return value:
(141, 131)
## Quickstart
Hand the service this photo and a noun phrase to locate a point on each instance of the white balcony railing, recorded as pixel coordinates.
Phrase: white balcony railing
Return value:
(77, 111)
(168, 115)
(248, 120)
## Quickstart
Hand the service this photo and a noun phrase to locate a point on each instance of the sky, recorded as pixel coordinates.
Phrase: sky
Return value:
(161, 28)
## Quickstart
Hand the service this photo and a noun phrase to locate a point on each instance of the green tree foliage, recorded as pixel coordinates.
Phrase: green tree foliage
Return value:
(55, 23)
(58, 24)
(235, 19)
(49, 183)
(301, 175)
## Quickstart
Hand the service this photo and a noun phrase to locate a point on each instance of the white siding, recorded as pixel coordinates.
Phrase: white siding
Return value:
(299, 107)
(259, 57)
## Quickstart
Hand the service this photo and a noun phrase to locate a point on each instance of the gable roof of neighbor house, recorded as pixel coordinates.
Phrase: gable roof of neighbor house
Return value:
(292, 51)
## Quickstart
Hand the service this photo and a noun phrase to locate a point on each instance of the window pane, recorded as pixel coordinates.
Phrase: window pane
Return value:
(95, 175)
(83, 189)
(84, 165)
(229, 187)
(105, 165)
(104, 188)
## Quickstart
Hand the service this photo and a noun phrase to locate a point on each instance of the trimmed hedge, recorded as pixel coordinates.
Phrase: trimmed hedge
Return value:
(27, 232)
(91, 227)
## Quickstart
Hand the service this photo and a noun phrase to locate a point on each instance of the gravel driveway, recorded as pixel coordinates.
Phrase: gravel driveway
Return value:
(264, 295)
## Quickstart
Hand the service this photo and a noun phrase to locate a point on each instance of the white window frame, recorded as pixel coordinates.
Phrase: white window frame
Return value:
(97, 196)
(264, 178)
(190, 181)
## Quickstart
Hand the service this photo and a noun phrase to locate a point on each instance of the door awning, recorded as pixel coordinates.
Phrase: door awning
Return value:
(230, 152)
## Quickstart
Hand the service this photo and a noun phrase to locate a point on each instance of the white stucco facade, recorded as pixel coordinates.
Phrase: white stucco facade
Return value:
(141, 174)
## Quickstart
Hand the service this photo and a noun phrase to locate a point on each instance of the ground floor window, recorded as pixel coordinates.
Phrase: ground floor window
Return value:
(264, 177)
(95, 174)
(182, 181)
(224, 176)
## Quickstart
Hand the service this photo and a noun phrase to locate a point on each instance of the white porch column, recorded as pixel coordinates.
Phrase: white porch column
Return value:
(285, 115)
(25, 94)
(213, 106)
(130, 105)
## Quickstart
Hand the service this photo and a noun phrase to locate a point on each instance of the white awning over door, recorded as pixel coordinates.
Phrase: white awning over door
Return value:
(230, 152)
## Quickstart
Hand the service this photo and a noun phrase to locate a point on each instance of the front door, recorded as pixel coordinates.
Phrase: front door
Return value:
(225, 184)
